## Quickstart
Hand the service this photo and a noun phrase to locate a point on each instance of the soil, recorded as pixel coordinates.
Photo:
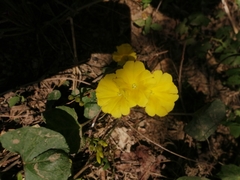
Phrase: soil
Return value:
(139, 147)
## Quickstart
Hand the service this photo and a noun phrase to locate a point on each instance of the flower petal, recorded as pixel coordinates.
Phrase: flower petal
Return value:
(136, 81)
(124, 49)
(111, 98)
(117, 57)
(124, 53)
(163, 96)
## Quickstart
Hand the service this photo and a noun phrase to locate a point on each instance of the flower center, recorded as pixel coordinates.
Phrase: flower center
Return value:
(120, 92)
(134, 86)
(151, 93)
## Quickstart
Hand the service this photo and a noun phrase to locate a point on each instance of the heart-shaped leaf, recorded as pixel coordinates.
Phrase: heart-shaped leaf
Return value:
(64, 120)
(54, 95)
(234, 129)
(43, 166)
(140, 22)
(156, 27)
(91, 110)
(29, 142)
(13, 101)
(43, 152)
(230, 171)
(206, 120)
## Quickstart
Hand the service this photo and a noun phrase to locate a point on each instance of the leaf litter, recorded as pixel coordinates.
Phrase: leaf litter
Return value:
(132, 155)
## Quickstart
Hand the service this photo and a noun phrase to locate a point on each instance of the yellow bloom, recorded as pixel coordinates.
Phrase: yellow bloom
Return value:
(111, 98)
(134, 85)
(135, 81)
(124, 53)
(163, 95)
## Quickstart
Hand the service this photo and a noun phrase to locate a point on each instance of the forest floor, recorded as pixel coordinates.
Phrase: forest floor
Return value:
(139, 147)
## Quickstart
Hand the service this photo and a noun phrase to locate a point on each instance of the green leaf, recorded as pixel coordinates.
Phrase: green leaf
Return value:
(229, 46)
(19, 176)
(145, 6)
(233, 71)
(233, 80)
(229, 172)
(199, 20)
(52, 98)
(192, 178)
(190, 41)
(76, 92)
(206, 120)
(91, 97)
(91, 110)
(98, 158)
(140, 22)
(43, 166)
(29, 142)
(64, 120)
(13, 101)
(234, 129)
(219, 49)
(54, 95)
(77, 99)
(106, 163)
(146, 3)
(230, 58)
(237, 112)
(220, 13)
(238, 2)
(205, 46)
(147, 25)
(223, 32)
(182, 28)
(238, 37)
(71, 97)
(200, 48)
(22, 99)
(102, 143)
(156, 27)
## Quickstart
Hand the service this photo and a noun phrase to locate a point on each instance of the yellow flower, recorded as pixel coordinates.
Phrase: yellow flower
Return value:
(134, 85)
(111, 98)
(163, 95)
(124, 53)
(135, 81)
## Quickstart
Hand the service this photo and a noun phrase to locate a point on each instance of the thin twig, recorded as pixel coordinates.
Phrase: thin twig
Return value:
(42, 80)
(14, 116)
(156, 10)
(174, 66)
(180, 114)
(76, 71)
(65, 78)
(158, 145)
(73, 41)
(12, 165)
(81, 171)
(64, 5)
(88, 5)
(180, 76)
(233, 22)
(159, 4)
(93, 124)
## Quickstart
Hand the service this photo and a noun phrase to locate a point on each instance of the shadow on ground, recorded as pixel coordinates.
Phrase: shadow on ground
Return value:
(37, 37)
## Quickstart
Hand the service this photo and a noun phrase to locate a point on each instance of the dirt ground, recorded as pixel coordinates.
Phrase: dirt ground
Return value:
(139, 146)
